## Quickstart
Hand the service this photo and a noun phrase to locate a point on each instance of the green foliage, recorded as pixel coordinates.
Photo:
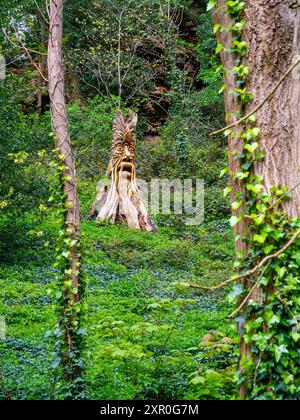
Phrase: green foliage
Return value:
(140, 325)
(91, 133)
(131, 289)
(215, 351)
(23, 140)
(109, 40)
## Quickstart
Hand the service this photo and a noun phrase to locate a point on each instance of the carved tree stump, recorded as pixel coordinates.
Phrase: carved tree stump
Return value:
(122, 202)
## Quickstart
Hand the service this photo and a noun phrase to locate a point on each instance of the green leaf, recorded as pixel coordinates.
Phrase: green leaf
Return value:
(261, 239)
(216, 27)
(242, 175)
(223, 172)
(211, 5)
(227, 191)
(236, 205)
(279, 351)
(281, 271)
(234, 220)
(219, 48)
(251, 147)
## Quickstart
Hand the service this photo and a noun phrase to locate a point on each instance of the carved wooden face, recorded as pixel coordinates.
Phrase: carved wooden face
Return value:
(123, 148)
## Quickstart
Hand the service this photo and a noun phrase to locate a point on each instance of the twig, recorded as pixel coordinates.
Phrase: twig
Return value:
(119, 58)
(249, 272)
(35, 65)
(250, 293)
(22, 47)
(12, 62)
(258, 107)
(28, 50)
(284, 195)
(40, 11)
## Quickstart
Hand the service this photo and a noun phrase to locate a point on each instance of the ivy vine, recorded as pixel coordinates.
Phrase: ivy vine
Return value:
(270, 325)
(68, 362)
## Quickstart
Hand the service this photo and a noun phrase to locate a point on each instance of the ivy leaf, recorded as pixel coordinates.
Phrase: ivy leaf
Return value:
(219, 48)
(227, 190)
(234, 220)
(252, 118)
(223, 172)
(211, 5)
(251, 147)
(236, 205)
(216, 27)
(242, 175)
(261, 239)
(238, 289)
(279, 351)
(295, 335)
(256, 131)
(259, 219)
(275, 319)
(281, 271)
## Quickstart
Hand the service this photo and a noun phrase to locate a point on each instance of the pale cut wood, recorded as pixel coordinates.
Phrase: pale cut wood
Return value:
(123, 202)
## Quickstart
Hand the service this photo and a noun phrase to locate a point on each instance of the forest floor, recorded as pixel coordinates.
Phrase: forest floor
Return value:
(146, 338)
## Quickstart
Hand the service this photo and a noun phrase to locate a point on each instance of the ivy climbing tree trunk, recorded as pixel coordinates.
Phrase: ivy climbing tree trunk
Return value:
(71, 253)
(257, 50)
(233, 112)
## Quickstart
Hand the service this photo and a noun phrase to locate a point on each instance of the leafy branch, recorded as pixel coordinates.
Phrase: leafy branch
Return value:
(249, 272)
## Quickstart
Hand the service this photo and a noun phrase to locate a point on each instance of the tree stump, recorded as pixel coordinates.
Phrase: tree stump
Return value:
(122, 202)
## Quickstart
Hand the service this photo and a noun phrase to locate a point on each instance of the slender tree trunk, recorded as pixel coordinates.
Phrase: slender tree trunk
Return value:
(233, 112)
(272, 34)
(69, 187)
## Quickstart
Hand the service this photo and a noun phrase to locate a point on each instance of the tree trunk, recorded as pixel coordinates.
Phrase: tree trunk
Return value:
(272, 34)
(122, 202)
(69, 187)
(233, 112)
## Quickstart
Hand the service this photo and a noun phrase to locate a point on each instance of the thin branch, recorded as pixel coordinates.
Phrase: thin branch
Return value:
(37, 67)
(283, 197)
(12, 62)
(119, 58)
(22, 47)
(249, 272)
(258, 107)
(28, 50)
(250, 293)
(40, 11)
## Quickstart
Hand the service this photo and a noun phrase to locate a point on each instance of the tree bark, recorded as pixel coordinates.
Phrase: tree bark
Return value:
(272, 33)
(69, 186)
(233, 112)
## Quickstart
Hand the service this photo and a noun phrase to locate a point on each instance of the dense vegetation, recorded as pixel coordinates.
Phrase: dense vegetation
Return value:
(144, 335)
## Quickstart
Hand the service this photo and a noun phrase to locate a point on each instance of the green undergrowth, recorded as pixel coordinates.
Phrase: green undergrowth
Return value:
(146, 337)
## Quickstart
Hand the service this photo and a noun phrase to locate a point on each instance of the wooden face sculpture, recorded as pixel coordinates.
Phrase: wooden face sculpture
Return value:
(122, 161)
(123, 202)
